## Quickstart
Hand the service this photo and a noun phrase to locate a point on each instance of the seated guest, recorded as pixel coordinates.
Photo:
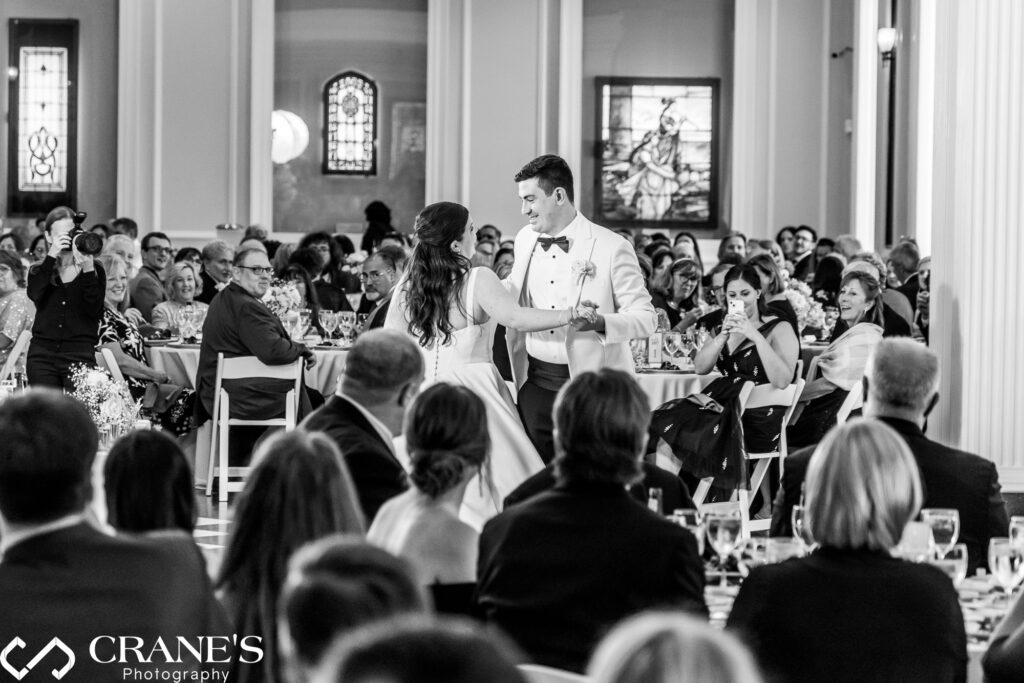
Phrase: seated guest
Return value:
(712, 320)
(489, 232)
(803, 257)
(119, 334)
(1004, 659)
(240, 324)
(381, 272)
(901, 387)
(734, 244)
(899, 313)
(422, 650)
(824, 247)
(752, 346)
(148, 484)
(37, 252)
(12, 243)
(661, 276)
(147, 288)
(828, 278)
(299, 491)
(192, 255)
(841, 365)
(685, 246)
(903, 263)
(183, 284)
(395, 239)
(503, 260)
(17, 312)
(334, 586)
(218, 256)
(686, 299)
(446, 436)
(556, 571)
(61, 577)
(850, 611)
(483, 253)
(124, 246)
(774, 287)
(329, 287)
(347, 277)
(382, 375)
(667, 647)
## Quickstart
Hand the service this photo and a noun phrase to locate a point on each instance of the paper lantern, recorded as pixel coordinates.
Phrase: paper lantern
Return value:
(290, 136)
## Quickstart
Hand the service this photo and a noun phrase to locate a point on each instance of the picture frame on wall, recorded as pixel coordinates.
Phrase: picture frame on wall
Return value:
(657, 152)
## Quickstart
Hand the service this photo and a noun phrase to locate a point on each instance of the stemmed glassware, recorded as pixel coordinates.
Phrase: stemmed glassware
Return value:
(1017, 531)
(692, 521)
(782, 548)
(672, 342)
(305, 318)
(801, 529)
(1006, 562)
(723, 528)
(361, 319)
(953, 562)
(638, 349)
(945, 526)
(753, 553)
(346, 322)
(328, 321)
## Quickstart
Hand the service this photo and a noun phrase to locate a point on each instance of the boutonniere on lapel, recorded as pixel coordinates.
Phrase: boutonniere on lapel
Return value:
(581, 270)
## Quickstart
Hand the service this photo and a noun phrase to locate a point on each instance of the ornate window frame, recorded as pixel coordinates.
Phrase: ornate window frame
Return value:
(350, 100)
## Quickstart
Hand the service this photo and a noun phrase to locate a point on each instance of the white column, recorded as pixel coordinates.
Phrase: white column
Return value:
(923, 15)
(865, 121)
(977, 324)
(570, 88)
(261, 74)
(748, 125)
(135, 110)
(445, 78)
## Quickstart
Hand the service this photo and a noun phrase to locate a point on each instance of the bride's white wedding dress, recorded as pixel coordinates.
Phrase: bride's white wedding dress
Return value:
(467, 361)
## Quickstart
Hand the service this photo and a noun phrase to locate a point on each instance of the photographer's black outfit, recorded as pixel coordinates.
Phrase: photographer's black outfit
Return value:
(66, 328)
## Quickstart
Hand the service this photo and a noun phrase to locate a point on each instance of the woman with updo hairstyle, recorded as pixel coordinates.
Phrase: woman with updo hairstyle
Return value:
(450, 309)
(448, 444)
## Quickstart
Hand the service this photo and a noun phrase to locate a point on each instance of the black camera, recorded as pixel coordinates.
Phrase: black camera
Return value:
(86, 242)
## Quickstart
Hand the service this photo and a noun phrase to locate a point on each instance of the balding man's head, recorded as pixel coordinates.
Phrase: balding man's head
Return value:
(902, 376)
(383, 365)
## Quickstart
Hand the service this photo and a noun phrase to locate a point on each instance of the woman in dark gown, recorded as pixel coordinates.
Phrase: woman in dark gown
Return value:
(704, 431)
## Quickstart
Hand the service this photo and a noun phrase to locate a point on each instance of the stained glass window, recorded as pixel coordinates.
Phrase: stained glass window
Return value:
(42, 137)
(350, 122)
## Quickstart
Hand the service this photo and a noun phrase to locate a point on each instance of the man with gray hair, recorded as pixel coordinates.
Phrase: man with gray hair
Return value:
(849, 246)
(217, 256)
(382, 376)
(901, 387)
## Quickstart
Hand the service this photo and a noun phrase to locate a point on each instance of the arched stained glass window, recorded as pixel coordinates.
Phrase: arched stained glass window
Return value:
(350, 120)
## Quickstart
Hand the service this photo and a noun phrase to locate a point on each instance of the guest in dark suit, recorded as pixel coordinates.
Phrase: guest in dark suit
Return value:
(217, 256)
(557, 571)
(147, 288)
(805, 261)
(382, 375)
(850, 611)
(60, 577)
(901, 384)
(240, 324)
(381, 272)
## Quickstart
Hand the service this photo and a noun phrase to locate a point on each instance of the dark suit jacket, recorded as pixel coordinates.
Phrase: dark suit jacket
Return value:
(376, 472)
(209, 288)
(375, 319)
(951, 479)
(77, 584)
(910, 288)
(559, 570)
(147, 291)
(674, 494)
(804, 269)
(852, 615)
(239, 324)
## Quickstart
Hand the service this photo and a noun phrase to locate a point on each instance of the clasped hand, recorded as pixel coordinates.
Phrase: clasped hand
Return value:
(585, 317)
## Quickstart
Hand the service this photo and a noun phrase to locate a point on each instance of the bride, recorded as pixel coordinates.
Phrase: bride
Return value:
(450, 309)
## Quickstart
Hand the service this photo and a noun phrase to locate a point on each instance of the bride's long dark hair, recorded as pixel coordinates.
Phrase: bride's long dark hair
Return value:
(435, 274)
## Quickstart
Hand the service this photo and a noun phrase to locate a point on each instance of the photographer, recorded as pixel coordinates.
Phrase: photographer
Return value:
(67, 287)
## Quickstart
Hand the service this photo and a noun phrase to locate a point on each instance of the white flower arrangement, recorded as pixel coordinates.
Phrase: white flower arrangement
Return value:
(282, 298)
(109, 403)
(809, 313)
(354, 262)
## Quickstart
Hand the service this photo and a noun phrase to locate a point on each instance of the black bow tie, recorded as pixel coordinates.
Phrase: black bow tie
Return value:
(562, 242)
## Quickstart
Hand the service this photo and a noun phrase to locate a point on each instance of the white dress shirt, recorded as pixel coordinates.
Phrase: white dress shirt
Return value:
(549, 283)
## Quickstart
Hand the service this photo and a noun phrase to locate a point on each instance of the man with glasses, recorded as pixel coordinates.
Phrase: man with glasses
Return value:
(147, 288)
(805, 262)
(381, 273)
(240, 324)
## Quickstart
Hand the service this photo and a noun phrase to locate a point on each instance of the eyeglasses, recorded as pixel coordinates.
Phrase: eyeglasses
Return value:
(259, 270)
(161, 250)
(374, 274)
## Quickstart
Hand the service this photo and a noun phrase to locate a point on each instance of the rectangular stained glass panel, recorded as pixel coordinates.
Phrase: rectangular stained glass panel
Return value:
(42, 145)
(351, 111)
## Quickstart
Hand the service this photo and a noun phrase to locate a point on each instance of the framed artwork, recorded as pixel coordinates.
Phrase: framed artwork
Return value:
(657, 152)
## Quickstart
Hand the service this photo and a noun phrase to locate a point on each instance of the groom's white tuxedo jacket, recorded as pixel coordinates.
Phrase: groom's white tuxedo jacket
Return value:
(606, 272)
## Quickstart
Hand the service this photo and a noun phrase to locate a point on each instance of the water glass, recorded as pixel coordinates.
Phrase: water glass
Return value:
(779, 549)
(753, 553)
(329, 323)
(692, 521)
(638, 348)
(945, 526)
(361, 319)
(1006, 563)
(953, 562)
(305, 318)
(1017, 531)
(346, 322)
(801, 529)
(723, 529)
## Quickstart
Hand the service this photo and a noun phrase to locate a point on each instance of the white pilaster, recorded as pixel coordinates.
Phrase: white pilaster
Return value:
(445, 79)
(865, 121)
(748, 171)
(261, 104)
(570, 79)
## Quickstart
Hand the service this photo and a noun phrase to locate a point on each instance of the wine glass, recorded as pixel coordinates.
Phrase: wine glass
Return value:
(361, 319)
(801, 529)
(328, 321)
(186, 323)
(672, 342)
(723, 533)
(831, 316)
(1005, 563)
(953, 563)
(290, 320)
(346, 322)
(305, 318)
(638, 348)
(753, 553)
(1017, 531)
(945, 526)
(692, 521)
(781, 548)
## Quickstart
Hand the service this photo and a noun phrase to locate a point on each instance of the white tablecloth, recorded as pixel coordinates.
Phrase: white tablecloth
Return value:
(662, 387)
(182, 362)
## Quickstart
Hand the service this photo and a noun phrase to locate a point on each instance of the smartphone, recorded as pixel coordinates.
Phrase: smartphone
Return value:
(736, 307)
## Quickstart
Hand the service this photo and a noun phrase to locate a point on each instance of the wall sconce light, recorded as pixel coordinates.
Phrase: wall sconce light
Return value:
(886, 42)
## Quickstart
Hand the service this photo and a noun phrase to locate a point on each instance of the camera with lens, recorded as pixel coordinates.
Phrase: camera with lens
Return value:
(86, 242)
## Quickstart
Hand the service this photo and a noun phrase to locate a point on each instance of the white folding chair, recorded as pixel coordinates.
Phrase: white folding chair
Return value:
(853, 401)
(759, 396)
(537, 673)
(105, 360)
(244, 367)
(17, 350)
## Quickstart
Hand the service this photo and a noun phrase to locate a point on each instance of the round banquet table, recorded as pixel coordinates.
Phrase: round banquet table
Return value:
(181, 362)
(663, 386)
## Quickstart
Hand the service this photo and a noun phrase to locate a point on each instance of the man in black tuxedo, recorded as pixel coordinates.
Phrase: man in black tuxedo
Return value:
(558, 570)
(901, 384)
(805, 262)
(62, 578)
(217, 258)
(382, 376)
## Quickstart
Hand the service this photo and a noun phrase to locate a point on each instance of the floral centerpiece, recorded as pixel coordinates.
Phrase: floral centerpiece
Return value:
(809, 314)
(282, 298)
(109, 402)
(354, 262)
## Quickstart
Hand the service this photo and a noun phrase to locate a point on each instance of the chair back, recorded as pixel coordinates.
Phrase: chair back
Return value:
(105, 359)
(853, 401)
(17, 350)
(536, 673)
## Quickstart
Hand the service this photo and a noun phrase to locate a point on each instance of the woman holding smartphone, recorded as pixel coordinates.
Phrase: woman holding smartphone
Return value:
(67, 288)
(701, 430)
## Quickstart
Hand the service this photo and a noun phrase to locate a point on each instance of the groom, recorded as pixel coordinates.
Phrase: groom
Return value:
(562, 260)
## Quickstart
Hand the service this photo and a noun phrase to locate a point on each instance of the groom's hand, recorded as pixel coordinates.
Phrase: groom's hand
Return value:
(591, 321)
